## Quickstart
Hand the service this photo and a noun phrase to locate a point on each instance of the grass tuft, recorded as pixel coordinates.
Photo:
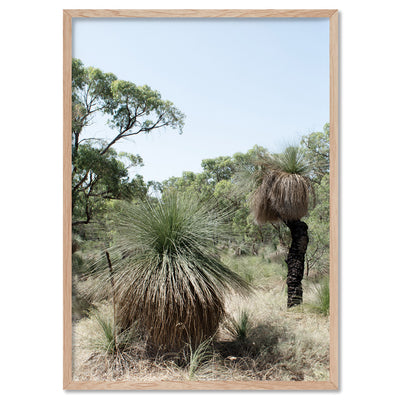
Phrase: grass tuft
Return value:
(200, 356)
(239, 327)
(323, 297)
(105, 341)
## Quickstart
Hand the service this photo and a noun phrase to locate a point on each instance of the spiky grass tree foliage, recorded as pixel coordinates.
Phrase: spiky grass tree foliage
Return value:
(240, 326)
(284, 195)
(166, 274)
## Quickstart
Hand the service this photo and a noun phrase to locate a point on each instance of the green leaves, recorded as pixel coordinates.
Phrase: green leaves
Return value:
(317, 257)
(98, 172)
(218, 169)
(228, 181)
(316, 150)
(98, 177)
(292, 161)
(134, 159)
(131, 109)
(91, 92)
(240, 326)
(132, 106)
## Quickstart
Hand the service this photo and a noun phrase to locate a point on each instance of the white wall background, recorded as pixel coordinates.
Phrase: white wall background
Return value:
(31, 196)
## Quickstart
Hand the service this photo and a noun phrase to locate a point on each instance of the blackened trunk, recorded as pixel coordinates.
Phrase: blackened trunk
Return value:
(295, 261)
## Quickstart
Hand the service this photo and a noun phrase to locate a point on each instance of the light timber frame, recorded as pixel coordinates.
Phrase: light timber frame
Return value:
(333, 383)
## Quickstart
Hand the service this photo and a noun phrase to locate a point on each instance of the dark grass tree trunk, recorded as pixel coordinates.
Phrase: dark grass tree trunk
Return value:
(295, 261)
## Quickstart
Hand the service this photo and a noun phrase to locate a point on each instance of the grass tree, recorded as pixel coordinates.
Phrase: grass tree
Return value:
(283, 195)
(167, 276)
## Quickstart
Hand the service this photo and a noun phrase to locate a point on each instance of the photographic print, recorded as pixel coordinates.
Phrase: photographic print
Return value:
(200, 199)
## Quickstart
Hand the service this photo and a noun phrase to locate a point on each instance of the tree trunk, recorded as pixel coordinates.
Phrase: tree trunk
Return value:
(295, 261)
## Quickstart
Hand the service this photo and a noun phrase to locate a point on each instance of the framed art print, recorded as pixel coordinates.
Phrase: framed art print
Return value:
(201, 199)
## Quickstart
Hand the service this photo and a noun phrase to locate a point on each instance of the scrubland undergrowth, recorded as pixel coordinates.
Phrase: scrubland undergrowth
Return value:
(258, 340)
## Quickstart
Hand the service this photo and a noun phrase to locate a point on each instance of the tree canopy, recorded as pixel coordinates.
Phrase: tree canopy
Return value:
(99, 172)
(230, 180)
(316, 150)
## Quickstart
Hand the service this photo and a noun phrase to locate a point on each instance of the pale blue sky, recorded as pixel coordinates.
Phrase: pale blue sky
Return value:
(240, 82)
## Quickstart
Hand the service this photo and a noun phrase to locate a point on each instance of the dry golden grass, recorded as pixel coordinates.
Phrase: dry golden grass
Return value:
(281, 345)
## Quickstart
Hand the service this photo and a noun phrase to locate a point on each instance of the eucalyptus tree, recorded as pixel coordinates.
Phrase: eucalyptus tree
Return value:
(98, 171)
(316, 151)
(227, 180)
(283, 195)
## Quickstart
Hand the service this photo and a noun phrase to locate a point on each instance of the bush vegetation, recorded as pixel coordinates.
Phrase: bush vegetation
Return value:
(174, 280)
(259, 340)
